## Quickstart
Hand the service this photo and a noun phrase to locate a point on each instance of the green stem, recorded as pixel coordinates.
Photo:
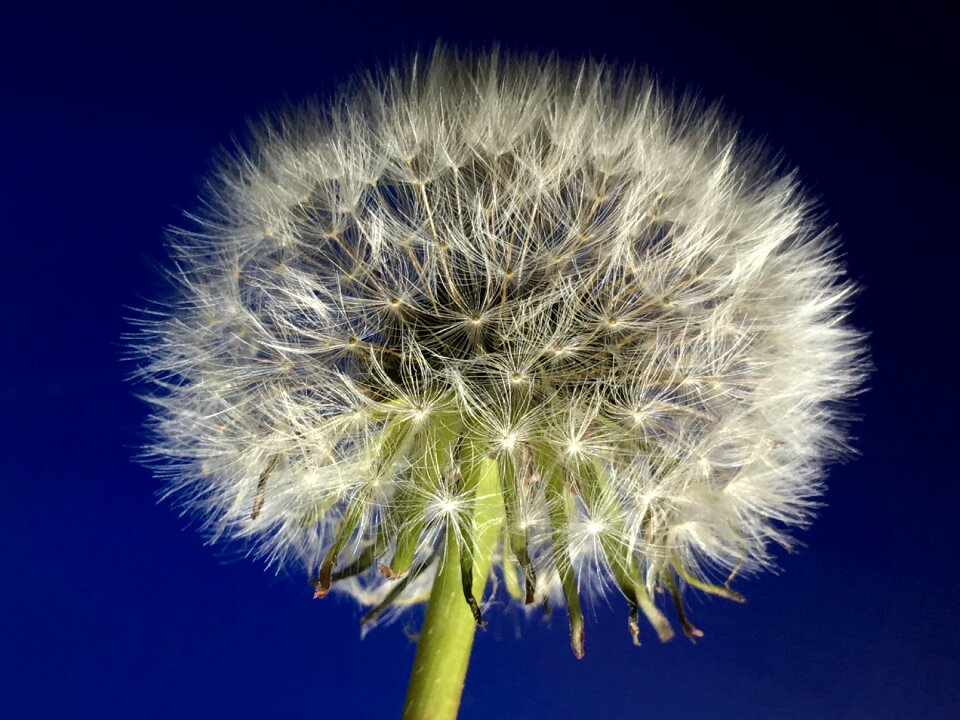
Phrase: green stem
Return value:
(446, 639)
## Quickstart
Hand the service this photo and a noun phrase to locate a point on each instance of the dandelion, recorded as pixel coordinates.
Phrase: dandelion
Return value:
(489, 316)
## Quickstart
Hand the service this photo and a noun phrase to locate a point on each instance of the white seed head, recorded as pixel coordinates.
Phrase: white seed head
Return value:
(556, 265)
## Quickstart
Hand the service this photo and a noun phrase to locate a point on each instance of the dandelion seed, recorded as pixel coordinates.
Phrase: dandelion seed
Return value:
(524, 312)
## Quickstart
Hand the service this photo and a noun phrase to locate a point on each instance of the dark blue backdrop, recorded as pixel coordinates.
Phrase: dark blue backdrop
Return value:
(113, 607)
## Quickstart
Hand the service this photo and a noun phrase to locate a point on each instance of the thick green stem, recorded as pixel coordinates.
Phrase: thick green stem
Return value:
(446, 639)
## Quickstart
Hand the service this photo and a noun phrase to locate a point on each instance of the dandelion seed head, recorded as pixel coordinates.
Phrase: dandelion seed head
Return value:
(557, 267)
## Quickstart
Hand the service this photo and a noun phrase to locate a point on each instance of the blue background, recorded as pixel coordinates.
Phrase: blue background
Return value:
(112, 605)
